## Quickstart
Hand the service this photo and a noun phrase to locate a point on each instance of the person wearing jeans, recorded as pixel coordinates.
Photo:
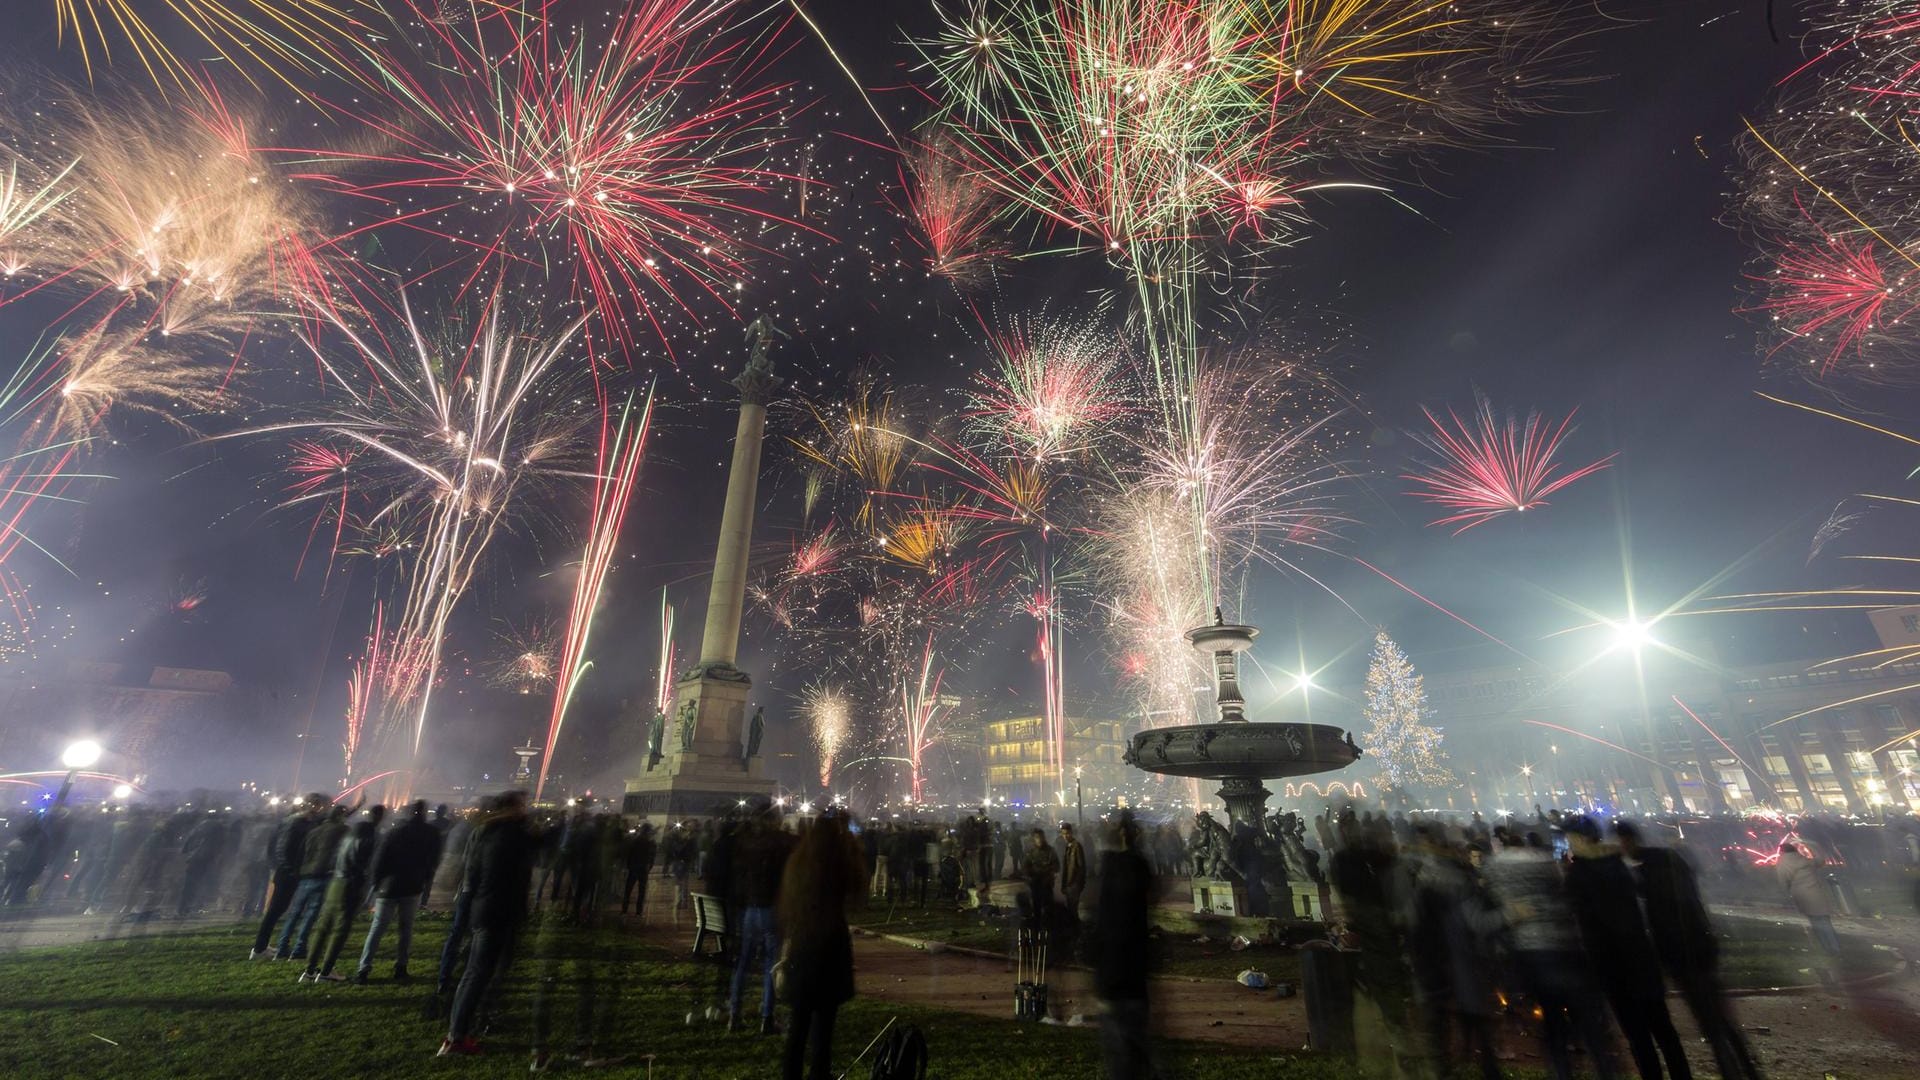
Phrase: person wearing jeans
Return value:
(403, 866)
(759, 858)
(317, 856)
(285, 851)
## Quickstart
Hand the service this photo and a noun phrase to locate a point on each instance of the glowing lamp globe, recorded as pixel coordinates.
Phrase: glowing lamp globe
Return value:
(81, 755)
(121, 791)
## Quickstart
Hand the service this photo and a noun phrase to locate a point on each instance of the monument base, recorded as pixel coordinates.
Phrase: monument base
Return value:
(1309, 900)
(702, 771)
(1215, 897)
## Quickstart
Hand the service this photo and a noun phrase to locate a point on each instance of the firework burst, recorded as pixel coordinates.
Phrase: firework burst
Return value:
(526, 657)
(1057, 387)
(952, 214)
(624, 159)
(829, 715)
(455, 432)
(1487, 467)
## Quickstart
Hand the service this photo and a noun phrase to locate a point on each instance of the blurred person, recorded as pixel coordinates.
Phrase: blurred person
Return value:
(1449, 942)
(346, 896)
(1122, 923)
(284, 853)
(639, 856)
(1040, 865)
(680, 858)
(317, 857)
(1689, 950)
(1800, 875)
(1366, 874)
(251, 868)
(442, 823)
(1543, 941)
(1606, 903)
(202, 848)
(499, 873)
(28, 849)
(122, 839)
(821, 876)
(460, 925)
(403, 864)
(759, 855)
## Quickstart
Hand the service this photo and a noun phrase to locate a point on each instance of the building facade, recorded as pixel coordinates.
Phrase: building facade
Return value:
(1020, 771)
(1678, 731)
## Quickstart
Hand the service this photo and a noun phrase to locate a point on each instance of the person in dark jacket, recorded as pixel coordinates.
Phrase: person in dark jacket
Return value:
(1545, 951)
(1606, 904)
(346, 896)
(1122, 961)
(1073, 870)
(317, 857)
(1689, 950)
(499, 872)
(759, 859)
(639, 855)
(284, 852)
(822, 875)
(1040, 865)
(402, 868)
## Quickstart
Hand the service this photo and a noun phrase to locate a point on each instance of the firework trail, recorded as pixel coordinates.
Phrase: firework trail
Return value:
(457, 432)
(384, 680)
(625, 160)
(829, 716)
(952, 216)
(1488, 467)
(623, 446)
(23, 203)
(920, 715)
(663, 683)
(283, 37)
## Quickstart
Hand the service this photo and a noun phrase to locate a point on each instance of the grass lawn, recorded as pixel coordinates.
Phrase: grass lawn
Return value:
(189, 1006)
(1755, 952)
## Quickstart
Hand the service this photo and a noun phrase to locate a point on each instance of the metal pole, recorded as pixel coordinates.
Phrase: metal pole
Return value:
(1079, 808)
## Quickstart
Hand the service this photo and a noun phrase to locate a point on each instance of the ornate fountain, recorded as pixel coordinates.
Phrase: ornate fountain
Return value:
(1236, 751)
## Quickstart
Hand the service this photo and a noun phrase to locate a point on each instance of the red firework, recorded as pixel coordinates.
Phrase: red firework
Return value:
(1492, 466)
(952, 214)
(629, 153)
(1836, 290)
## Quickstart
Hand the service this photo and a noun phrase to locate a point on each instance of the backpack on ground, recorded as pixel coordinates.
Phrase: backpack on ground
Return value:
(903, 1056)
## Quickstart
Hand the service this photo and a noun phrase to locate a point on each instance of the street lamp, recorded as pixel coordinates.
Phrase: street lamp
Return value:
(121, 791)
(1079, 803)
(78, 755)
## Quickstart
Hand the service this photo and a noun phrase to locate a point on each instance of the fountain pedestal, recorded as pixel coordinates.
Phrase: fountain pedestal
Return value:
(1238, 752)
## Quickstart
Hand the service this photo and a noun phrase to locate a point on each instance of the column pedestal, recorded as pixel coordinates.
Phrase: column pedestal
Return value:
(707, 778)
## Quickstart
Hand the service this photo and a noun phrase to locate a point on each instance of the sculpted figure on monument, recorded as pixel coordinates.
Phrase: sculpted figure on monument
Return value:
(760, 334)
(688, 713)
(755, 730)
(656, 738)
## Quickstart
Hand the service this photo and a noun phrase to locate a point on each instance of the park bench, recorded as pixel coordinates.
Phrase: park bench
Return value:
(709, 917)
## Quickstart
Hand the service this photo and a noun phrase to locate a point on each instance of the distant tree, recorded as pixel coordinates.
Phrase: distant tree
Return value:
(1399, 741)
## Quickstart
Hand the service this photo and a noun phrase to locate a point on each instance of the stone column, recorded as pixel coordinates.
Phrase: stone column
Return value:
(720, 641)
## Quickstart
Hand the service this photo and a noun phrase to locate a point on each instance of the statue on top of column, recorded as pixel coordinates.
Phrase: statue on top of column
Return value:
(758, 382)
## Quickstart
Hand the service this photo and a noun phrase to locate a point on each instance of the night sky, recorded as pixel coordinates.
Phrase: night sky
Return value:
(1586, 261)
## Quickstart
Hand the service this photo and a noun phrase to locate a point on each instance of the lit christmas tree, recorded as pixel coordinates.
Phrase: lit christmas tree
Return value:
(1407, 750)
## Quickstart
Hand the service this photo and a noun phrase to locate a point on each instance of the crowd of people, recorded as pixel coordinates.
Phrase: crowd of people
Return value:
(1449, 923)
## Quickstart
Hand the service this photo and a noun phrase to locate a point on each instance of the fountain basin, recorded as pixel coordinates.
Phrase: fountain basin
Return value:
(1242, 750)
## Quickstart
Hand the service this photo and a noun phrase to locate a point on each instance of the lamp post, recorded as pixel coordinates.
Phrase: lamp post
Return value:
(78, 755)
(1079, 803)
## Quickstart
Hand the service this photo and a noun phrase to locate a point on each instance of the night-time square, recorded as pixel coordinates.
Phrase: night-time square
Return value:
(824, 539)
